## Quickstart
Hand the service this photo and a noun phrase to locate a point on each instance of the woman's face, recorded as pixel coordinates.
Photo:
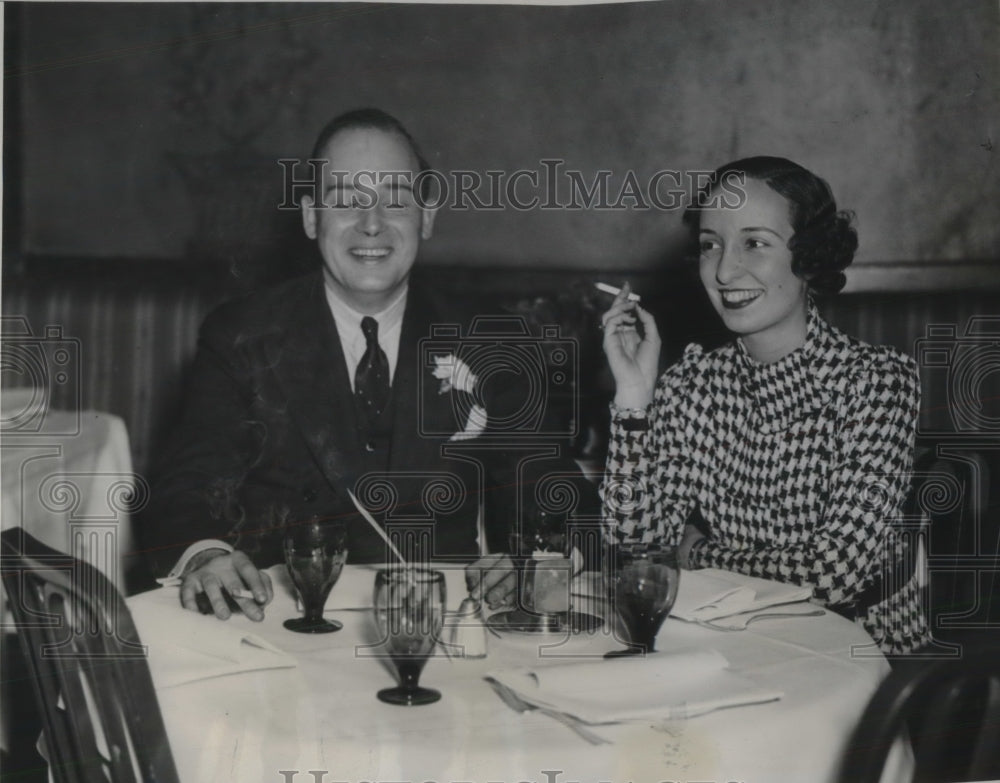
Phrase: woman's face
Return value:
(746, 268)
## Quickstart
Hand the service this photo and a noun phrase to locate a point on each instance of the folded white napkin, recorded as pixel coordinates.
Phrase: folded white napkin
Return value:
(711, 593)
(355, 589)
(659, 686)
(185, 646)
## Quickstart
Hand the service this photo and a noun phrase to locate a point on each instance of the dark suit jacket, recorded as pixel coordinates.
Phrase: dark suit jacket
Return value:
(270, 435)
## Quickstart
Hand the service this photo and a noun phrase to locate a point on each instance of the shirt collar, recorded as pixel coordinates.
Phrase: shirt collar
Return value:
(349, 320)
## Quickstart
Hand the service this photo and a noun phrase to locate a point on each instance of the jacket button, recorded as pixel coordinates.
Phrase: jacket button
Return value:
(309, 494)
(370, 446)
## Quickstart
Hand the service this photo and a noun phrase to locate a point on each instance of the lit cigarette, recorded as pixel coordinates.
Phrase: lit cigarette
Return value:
(610, 289)
(175, 581)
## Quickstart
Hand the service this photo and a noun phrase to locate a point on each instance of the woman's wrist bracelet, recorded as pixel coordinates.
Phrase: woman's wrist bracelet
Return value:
(631, 419)
(696, 547)
(619, 412)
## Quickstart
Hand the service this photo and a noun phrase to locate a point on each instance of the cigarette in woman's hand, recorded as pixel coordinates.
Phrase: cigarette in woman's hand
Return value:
(240, 593)
(610, 289)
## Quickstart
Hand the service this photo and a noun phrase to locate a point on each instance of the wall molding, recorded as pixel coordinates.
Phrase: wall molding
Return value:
(926, 276)
(862, 277)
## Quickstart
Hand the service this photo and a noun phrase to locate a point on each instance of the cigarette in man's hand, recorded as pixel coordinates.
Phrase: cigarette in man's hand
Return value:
(610, 289)
(175, 581)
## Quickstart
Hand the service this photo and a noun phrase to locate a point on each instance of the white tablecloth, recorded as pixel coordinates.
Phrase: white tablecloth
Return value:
(323, 714)
(68, 480)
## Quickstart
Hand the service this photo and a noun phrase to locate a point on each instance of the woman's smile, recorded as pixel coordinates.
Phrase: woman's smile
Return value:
(738, 298)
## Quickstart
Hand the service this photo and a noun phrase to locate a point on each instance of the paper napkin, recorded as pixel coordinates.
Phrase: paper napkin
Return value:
(659, 686)
(185, 646)
(711, 593)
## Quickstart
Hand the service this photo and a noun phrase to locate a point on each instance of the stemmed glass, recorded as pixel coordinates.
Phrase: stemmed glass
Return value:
(643, 589)
(315, 553)
(409, 612)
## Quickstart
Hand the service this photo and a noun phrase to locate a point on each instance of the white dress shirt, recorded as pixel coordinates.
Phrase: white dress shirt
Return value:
(352, 339)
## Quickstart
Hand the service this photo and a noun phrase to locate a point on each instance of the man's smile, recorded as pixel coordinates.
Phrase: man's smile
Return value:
(370, 253)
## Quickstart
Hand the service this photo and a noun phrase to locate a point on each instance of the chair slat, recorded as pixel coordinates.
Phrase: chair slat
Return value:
(985, 763)
(948, 708)
(101, 717)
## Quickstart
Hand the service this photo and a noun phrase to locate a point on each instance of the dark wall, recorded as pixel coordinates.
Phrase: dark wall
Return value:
(151, 130)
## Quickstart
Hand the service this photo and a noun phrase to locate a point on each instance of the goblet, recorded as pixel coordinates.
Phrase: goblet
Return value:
(643, 590)
(409, 612)
(315, 553)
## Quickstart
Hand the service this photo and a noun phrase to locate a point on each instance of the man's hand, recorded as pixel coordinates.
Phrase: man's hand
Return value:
(493, 578)
(220, 573)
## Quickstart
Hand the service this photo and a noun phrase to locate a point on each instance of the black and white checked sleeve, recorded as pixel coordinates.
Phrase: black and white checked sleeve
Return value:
(646, 491)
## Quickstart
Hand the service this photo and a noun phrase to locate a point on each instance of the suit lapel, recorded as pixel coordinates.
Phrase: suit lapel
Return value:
(417, 406)
(311, 371)
(424, 419)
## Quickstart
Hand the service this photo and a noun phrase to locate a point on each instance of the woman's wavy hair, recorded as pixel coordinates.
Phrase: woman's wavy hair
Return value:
(823, 242)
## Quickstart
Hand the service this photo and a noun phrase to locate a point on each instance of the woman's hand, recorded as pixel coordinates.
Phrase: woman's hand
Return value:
(634, 360)
(692, 536)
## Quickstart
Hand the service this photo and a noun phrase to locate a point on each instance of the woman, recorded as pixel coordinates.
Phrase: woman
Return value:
(794, 443)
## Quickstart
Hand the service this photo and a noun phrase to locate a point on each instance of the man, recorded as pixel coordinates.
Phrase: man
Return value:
(299, 392)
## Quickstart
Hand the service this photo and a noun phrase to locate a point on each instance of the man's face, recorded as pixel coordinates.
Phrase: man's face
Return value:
(369, 224)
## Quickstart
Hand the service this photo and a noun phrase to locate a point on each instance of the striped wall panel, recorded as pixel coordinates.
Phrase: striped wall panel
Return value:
(137, 337)
(955, 337)
(134, 346)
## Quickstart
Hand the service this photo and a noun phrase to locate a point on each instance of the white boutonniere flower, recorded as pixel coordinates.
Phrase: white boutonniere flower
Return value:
(474, 425)
(454, 374)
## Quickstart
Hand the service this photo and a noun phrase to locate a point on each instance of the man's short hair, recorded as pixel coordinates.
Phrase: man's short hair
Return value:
(366, 118)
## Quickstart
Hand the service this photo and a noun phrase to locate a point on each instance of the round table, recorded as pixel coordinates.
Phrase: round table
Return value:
(321, 714)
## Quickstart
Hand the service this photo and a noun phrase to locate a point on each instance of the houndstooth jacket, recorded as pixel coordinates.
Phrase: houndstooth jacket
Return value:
(798, 468)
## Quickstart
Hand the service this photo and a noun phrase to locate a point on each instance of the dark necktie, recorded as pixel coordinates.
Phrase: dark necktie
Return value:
(371, 379)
